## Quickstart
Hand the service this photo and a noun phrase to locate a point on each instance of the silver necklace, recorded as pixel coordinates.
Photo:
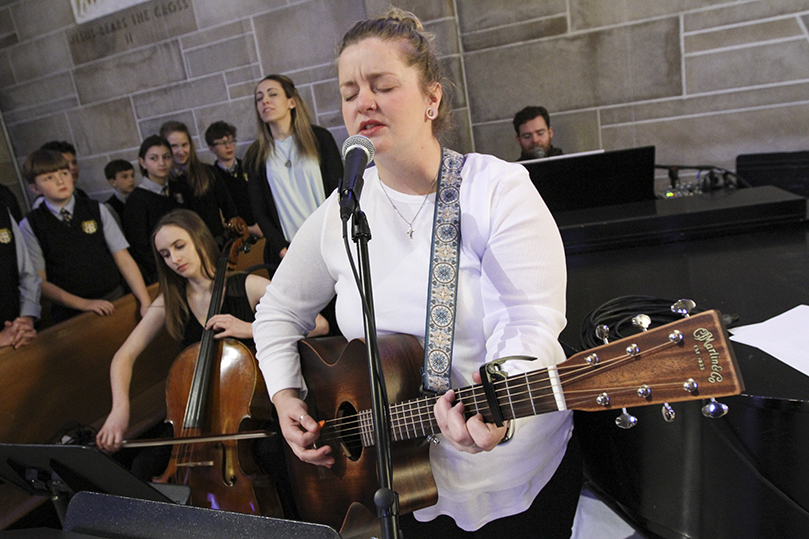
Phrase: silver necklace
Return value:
(288, 162)
(409, 223)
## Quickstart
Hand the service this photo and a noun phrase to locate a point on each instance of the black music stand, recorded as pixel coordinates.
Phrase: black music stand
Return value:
(102, 515)
(60, 471)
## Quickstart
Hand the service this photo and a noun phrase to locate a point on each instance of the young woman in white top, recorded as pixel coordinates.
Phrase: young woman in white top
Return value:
(291, 167)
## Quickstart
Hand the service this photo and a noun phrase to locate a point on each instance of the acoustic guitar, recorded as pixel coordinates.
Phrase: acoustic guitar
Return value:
(685, 360)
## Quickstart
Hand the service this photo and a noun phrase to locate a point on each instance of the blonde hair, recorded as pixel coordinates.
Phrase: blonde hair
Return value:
(418, 51)
(172, 285)
(302, 132)
(197, 173)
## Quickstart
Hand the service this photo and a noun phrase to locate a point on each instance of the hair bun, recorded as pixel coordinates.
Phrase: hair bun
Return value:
(407, 18)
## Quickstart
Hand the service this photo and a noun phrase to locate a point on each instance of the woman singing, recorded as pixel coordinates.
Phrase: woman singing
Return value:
(291, 167)
(186, 255)
(510, 292)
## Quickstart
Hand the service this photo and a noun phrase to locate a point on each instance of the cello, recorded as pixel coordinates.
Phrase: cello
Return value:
(214, 392)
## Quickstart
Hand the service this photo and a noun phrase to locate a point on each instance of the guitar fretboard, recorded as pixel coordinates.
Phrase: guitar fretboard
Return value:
(585, 382)
(518, 396)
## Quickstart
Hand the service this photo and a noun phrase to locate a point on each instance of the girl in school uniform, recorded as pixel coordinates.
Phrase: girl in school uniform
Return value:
(202, 191)
(153, 198)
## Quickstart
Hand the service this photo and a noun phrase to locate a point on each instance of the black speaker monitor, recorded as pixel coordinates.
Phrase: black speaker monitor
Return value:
(591, 180)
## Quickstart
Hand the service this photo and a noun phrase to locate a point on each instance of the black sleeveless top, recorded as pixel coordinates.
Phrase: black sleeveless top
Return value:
(236, 303)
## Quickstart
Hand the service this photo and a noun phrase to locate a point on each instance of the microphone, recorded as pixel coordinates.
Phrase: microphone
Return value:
(539, 152)
(358, 151)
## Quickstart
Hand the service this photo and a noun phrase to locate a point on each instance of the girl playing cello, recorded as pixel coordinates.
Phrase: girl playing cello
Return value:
(186, 254)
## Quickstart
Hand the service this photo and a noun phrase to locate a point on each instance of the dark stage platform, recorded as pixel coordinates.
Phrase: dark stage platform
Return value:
(678, 219)
(741, 476)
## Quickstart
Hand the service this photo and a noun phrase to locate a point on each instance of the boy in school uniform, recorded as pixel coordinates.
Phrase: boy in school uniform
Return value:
(221, 139)
(68, 151)
(121, 175)
(75, 244)
(19, 282)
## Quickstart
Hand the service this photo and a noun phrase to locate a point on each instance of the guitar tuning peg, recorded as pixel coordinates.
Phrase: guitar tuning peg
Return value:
(642, 322)
(668, 413)
(714, 409)
(626, 420)
(683, 307)
(603, 333)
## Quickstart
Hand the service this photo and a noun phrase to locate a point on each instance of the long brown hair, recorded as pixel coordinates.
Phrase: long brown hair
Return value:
(302, 133)
(172, 285)
(418, 51)
(199, 178)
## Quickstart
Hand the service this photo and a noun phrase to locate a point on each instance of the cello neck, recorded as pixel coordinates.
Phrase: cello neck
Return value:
(198, 394)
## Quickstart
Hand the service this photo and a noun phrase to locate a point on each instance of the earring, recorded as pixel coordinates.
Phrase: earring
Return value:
(431, 114)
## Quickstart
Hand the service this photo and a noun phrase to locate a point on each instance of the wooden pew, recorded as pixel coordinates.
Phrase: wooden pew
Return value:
(63, 377)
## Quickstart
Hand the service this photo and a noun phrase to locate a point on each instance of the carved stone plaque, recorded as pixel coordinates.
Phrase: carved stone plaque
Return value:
(131, 28)
(87, 10)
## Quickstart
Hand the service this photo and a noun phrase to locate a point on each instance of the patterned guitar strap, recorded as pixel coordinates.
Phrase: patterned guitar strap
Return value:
(442, 293)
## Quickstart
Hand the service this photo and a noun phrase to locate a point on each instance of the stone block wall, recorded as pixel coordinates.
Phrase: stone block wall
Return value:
(702, 80)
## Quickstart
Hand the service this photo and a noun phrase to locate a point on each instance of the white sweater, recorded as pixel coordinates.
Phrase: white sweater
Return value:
(511, 301)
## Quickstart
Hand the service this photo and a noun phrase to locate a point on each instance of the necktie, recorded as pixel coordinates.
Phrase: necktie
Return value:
(66, 216)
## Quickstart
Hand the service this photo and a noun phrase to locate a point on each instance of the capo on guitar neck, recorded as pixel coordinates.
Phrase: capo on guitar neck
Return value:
(490, 373)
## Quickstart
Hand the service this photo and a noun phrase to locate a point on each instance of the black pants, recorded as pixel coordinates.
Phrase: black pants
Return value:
(550, 516)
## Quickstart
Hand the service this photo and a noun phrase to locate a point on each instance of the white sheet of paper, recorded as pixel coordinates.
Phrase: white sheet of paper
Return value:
(785, 337)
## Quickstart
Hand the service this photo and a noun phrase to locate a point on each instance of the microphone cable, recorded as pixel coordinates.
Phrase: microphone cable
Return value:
(617, 314)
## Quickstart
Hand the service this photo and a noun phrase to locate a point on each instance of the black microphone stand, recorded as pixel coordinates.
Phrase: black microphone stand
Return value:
(385, 498)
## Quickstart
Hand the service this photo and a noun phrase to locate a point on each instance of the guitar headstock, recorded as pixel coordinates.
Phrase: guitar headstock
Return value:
(685, 360)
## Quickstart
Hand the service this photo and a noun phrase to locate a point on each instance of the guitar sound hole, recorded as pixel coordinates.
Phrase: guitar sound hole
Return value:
(348, 431)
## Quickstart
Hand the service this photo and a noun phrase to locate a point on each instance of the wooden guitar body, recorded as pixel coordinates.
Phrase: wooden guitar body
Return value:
(324, 495)
(686, 360)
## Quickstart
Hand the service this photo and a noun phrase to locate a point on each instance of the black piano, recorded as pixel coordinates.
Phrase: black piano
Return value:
(745, 475)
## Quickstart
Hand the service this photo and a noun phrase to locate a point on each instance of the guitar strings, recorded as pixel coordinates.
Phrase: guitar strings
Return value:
(520, 393)
(424, 405)
(407, 426)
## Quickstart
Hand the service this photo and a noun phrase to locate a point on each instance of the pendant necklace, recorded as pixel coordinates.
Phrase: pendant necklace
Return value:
(288, 162)
(410, 229)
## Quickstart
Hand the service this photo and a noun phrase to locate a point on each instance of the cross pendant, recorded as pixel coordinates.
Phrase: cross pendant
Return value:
(410, 232)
